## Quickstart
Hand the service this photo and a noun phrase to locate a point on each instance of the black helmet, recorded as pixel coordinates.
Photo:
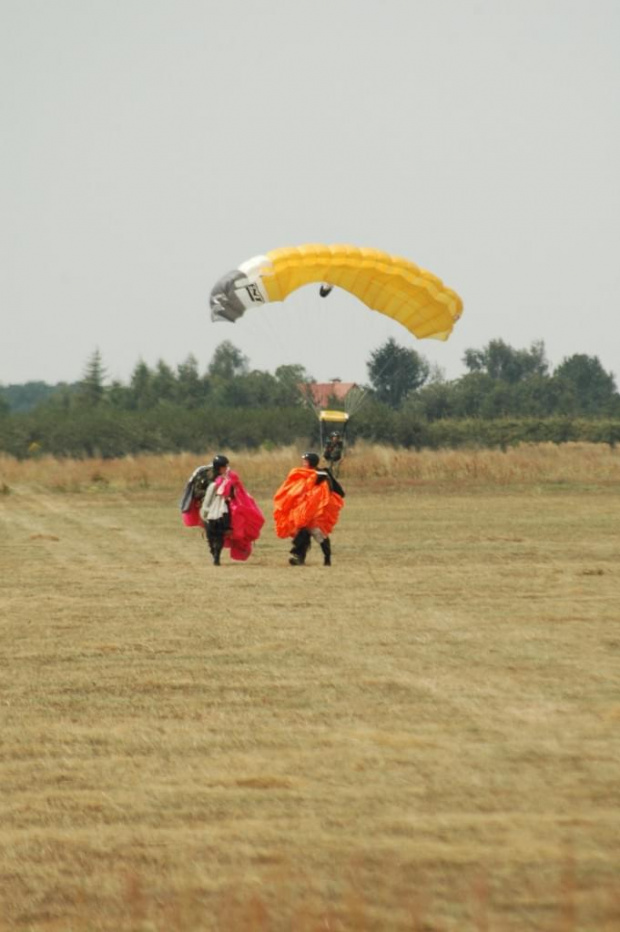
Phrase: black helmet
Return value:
(219, 460)
(312, 459)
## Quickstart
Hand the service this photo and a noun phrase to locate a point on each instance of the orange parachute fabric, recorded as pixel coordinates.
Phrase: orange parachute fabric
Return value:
(301, 501)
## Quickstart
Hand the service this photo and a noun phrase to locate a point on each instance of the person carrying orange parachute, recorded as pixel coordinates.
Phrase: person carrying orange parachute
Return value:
(307, 506)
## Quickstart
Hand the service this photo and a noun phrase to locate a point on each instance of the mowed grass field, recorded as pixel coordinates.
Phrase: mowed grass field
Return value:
(425, 736)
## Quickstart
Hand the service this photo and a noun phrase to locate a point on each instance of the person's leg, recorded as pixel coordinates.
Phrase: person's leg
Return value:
(210, 529)
(301, 545)
(215, 538)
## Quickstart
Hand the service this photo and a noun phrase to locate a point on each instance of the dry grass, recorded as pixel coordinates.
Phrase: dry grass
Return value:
(423, 737)
(568, 463)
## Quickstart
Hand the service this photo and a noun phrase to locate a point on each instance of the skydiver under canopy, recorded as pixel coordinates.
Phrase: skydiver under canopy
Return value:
(334, 447)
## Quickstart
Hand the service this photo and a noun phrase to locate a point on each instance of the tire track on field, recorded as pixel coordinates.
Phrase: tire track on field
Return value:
(71, 564)
(72, 532)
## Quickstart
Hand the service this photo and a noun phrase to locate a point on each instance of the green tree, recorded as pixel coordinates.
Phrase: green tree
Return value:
(502, 362)
(434, 401)
(469, 393)
(192, 390)
(119, 396)
(292, 378)
(91, 388)
(228, 362)
(28, 396)
(163, 382)
(395, 371)
(538, 396)
(293, 373)
(256, 390)
(593, 389)
(141, 392)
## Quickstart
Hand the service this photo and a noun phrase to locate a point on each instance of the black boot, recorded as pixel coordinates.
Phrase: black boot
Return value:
(326, 547)
(301, 545)
(215, 546)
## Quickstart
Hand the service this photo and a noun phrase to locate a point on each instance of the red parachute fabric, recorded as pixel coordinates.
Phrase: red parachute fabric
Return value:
(246, 518)
(302, 502)
(191, 518)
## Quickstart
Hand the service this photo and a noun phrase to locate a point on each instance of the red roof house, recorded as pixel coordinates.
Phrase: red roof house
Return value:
(323, 394)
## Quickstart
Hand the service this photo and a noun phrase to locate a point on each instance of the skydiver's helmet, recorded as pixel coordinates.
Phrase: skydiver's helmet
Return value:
(312, 459)
(219, 460)
(335, 435)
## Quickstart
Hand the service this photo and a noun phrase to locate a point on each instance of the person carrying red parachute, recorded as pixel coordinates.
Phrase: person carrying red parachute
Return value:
(307, 506)
(215, 499)
(230, 515)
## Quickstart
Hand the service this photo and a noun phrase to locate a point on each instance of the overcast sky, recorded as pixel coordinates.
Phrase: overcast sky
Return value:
(149, 146)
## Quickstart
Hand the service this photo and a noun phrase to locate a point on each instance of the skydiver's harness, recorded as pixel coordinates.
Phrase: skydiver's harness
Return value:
(196, 487)
(326, 475)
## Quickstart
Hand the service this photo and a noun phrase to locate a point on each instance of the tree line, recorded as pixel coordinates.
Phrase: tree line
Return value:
(506, 396)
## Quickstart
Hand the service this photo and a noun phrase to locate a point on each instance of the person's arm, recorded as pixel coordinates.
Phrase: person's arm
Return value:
(325, 475)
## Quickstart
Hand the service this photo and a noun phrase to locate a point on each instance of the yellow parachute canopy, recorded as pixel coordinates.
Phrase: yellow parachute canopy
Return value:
(335, 417)
(391, 285)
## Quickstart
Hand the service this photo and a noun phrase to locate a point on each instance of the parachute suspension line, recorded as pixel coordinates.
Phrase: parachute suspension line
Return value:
(305, 393)
(301, 389)
(265, 327)
(357, 397)
(354, 400)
